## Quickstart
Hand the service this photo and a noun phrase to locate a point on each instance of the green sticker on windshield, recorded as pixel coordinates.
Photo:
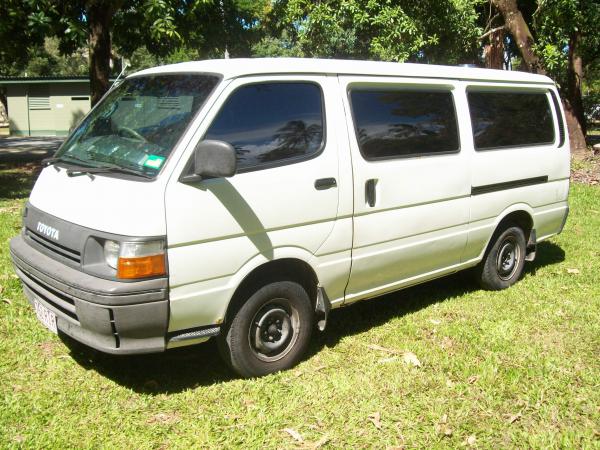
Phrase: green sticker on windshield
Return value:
(153, 161)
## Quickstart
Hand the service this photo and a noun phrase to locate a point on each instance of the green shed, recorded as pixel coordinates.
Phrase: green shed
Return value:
(45, 106)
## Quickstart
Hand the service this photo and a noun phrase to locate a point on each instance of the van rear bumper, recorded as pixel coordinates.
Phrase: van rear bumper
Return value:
(110, 316)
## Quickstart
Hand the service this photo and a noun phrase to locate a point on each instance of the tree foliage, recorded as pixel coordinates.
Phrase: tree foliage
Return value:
(559, 37)
(426, 31)
(555, 21)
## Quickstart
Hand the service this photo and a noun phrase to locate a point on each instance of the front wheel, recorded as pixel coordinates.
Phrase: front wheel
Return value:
(270, 331)
(503, 263)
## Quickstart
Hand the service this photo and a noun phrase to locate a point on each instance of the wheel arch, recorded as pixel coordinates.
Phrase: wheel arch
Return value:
(280, 269)
(520, 214)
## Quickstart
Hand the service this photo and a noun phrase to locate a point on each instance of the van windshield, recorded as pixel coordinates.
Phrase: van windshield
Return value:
(138, 123)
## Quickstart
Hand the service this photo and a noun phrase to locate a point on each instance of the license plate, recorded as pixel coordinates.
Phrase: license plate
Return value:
(47, 317)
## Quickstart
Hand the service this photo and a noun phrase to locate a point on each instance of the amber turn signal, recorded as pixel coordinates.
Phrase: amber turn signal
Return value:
(141, 267)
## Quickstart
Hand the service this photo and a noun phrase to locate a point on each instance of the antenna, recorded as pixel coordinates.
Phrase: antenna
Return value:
(124, 65)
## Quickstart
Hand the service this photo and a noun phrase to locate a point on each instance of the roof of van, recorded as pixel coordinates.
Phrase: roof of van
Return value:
(236, 67)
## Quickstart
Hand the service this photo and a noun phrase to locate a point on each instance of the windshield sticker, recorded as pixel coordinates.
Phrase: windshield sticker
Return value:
(153, 161)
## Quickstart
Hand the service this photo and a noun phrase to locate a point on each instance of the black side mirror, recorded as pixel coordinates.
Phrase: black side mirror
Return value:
(214, 159)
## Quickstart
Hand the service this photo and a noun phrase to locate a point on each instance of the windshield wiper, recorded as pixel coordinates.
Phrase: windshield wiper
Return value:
(106, 168)
(65, 158)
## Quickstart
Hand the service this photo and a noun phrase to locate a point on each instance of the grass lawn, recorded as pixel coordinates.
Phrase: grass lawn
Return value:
(517, 368)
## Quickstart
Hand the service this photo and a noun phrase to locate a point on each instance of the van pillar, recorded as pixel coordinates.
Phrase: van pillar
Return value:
(322, 308)
(531, 246)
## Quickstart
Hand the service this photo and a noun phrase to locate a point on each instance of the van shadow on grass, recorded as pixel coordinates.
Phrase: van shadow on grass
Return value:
(200, 365)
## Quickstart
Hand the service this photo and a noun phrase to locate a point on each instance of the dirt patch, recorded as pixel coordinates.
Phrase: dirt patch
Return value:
(586, 169)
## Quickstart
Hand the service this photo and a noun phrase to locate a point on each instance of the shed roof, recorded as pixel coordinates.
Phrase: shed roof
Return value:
(27, 80)
(236, 67)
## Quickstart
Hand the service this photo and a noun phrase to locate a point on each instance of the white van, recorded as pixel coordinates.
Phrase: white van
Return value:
(243, 199)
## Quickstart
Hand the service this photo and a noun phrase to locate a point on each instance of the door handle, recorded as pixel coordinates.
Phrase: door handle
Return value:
(325, 183)
(370, 192)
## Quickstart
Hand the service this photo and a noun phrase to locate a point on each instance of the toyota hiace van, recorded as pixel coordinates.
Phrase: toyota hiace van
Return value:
(244, 199)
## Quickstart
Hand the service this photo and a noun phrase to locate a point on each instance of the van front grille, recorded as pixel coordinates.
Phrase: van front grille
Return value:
(49, 295)
(54, 247)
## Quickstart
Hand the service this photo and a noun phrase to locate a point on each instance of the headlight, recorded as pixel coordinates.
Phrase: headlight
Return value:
(111, 253)
(136, 259)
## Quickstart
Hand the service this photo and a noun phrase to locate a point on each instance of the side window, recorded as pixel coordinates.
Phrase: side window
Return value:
(393, 123)
(269, 123)
(510, 119)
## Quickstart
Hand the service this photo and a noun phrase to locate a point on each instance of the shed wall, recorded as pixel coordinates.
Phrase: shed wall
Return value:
(30, 115)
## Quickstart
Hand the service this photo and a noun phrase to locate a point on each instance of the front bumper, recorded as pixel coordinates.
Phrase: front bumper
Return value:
(110, 316)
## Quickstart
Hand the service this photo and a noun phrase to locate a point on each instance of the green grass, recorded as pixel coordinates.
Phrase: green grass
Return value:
(517, 368)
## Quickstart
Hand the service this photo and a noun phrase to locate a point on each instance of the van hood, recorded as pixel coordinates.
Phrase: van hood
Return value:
(100, 202)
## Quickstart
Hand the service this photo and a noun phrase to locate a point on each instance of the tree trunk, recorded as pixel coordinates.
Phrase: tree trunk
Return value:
(520, 32)
(3, 109)
(99, 14)
(494, 51)
(576, 135)
(574, 77)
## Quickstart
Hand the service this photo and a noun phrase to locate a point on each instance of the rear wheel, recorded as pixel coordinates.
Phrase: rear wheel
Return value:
(504, 261)
(270, 331)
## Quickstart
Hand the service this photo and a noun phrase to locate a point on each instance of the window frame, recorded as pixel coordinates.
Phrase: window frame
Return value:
(282, 162)
(398, 86)
(487, 89)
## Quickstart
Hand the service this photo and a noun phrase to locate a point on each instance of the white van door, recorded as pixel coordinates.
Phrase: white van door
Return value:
(281, 203)
(411, 181)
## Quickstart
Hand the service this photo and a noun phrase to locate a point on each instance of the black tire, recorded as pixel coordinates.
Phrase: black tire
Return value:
(269, 332)
(503, 263)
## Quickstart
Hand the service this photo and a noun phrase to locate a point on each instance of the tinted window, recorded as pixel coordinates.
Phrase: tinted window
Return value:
(510, 119)
(395, 123)
(271, 122)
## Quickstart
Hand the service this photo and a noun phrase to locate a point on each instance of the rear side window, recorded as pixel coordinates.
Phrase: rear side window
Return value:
(271, 123)
(395, 123)
(510, 119)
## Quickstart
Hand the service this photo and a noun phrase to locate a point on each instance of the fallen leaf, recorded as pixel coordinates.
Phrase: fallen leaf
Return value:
(512, 418)
(443, 427)
(248, 403)
(388, 360)
(375, 418)
(435, 322)
(383, 349)
(163, 419)
(321, 367)
(47, 348)
(573, 271)
(471, 440)
(320, 443)
(7, 301)
(18, 439)
(447, 343)
(411, 358)
(294, 434)
(449, 383)
(596, 433)
(472, 379)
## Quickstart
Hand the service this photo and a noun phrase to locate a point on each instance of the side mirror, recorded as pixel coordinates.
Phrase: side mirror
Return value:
(214, 159)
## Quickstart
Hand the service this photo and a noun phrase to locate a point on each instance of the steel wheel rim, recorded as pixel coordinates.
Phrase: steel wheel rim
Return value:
(507, 261)
(274, 330)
